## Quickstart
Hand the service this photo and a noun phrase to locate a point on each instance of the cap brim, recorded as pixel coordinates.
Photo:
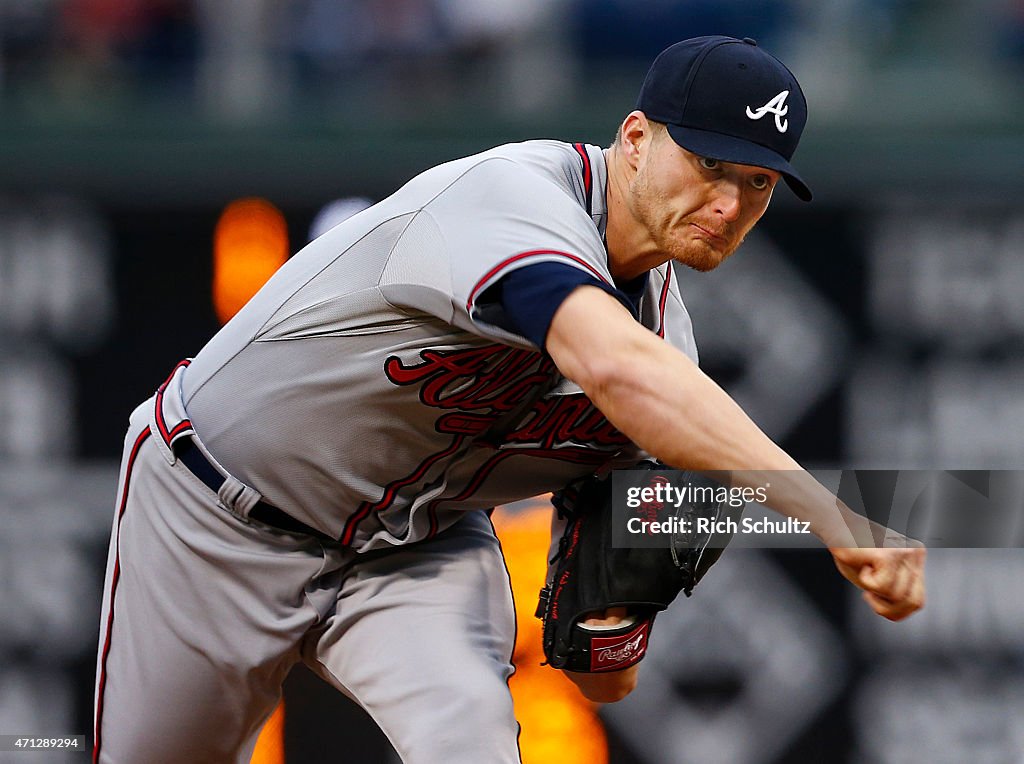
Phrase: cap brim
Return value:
(727, 148)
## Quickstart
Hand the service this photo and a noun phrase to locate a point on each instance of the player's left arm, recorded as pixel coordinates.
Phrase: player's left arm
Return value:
(659, 398)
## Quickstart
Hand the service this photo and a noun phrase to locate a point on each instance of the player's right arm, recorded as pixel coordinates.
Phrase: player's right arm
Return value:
(660, 399)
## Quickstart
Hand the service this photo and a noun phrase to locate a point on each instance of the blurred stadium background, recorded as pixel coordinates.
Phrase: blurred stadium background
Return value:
(881, 326)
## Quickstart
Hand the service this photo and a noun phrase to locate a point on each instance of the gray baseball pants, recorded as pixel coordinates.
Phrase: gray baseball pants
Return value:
(204, 613)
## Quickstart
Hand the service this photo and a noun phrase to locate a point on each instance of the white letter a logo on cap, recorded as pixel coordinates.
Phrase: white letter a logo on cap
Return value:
(776, 106)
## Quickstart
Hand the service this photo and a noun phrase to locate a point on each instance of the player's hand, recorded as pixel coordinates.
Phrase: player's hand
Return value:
(615, 685)
(892, 578)
(613, 616)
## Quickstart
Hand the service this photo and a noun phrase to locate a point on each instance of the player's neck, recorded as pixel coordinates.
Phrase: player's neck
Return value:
(631, 252)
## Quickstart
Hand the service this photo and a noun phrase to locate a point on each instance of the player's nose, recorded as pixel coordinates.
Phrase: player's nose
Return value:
(727, 200)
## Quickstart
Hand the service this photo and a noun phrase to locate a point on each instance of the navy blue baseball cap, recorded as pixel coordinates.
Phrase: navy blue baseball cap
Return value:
(728, 99)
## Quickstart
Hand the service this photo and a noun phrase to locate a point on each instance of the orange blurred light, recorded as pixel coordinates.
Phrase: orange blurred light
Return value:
(249, 244)
(270, 745)
(558, 723)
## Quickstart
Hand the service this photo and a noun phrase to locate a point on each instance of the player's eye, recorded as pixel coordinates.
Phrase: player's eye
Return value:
(708, 163)
(760, 182)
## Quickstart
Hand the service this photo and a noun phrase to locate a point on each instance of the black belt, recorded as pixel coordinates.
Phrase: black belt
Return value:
(185, 449)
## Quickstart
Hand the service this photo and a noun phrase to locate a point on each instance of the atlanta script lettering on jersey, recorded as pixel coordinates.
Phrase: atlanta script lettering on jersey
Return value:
(483, 384)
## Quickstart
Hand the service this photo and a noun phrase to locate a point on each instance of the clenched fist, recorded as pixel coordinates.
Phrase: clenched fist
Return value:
(892, 578)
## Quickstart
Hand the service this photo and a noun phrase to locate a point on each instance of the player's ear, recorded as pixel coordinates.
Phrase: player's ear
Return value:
(634, 137)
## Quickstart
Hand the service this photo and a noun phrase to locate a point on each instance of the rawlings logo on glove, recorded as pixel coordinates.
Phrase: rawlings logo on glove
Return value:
(615, 653)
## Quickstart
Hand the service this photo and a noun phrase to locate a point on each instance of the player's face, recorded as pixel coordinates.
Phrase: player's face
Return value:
(697, 210)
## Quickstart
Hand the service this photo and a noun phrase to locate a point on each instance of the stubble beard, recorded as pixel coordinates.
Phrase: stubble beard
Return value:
(701, 256)
(673, 237)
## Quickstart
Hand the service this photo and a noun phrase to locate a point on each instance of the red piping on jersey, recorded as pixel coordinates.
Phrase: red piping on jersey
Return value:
(588, 176)
(184, 424)
(392, 489)
(505, 263)
(571, 454)
(663, 300)
(115, 577)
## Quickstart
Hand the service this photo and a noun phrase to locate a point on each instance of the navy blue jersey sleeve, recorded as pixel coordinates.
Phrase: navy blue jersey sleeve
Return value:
(525, 300)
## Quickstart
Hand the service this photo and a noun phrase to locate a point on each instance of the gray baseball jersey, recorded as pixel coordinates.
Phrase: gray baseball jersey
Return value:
(373, 391)
(360, 389)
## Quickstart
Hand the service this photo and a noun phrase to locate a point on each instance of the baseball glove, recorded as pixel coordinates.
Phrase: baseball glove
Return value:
(591, 575)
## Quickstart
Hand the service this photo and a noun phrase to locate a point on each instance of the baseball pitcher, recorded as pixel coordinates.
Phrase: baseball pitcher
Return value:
(313, 485)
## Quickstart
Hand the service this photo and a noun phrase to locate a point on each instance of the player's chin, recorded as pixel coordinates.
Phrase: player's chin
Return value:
(609, 687)
(702, 256)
